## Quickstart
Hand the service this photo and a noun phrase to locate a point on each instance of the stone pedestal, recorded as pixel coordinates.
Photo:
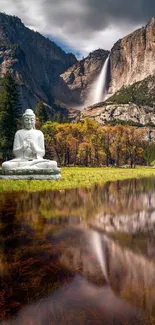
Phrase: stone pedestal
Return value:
(36, 174)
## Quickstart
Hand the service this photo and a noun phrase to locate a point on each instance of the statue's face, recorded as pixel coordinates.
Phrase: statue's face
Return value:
(29, 122)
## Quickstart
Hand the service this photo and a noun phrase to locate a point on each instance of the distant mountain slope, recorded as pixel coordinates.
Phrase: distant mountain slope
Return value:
(34, 60)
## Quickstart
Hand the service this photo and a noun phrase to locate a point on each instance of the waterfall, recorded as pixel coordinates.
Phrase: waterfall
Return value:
(100, 253)
(98, 89)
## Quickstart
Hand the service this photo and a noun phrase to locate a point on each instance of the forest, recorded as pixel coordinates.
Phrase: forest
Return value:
(83, 143)
(88, 143)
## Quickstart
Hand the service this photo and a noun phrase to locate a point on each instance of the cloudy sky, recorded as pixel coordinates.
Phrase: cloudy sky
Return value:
(82, 26)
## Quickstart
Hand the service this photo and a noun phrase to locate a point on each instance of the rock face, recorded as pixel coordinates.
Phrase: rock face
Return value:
(103, 113)
(81, 75)
(34, 60)
(132, 58)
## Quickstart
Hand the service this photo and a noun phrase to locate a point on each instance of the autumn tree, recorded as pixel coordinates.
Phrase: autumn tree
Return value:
(106, 140)
(117, 147)
(50, 130)
(90, 144)
(134, 144)
(92, 141)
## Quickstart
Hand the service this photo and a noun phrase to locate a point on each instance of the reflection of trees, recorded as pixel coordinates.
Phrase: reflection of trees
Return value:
(113, 199)
(30, 269)
(130, 207)
(129, 196)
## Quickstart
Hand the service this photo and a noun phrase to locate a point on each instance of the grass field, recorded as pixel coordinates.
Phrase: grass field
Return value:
(73, 177)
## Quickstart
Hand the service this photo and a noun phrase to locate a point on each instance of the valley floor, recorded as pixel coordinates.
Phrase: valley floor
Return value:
(73, 177)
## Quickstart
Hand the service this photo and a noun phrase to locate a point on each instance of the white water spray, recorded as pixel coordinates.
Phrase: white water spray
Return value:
(97, 246)
(98, 89)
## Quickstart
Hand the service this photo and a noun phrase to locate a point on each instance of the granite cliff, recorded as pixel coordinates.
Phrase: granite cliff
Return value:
(34, 60)
(132, 58)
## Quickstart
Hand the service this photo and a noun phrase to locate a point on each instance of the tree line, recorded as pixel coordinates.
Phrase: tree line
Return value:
(86, 143)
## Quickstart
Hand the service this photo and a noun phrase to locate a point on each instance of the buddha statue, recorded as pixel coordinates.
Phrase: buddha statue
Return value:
(28, 147)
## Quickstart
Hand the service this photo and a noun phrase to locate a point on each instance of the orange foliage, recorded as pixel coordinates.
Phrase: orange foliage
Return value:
(91, 144)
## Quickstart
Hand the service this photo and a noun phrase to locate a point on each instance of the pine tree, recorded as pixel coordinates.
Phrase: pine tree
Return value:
(41, 113)
(9, 113)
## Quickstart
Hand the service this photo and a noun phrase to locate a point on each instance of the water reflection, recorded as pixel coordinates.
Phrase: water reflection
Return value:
(114, 198)
(90, 305)
(60, 280)
(48, 262)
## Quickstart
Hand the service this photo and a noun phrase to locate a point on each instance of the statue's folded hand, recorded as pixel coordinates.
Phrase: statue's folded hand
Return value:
(26, 145)
(32, 146)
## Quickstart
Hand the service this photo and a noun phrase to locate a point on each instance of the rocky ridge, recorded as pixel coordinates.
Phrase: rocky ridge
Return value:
(34, 60)
(110, 112)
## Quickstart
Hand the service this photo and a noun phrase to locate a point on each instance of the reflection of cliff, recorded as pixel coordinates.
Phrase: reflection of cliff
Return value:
(130, 207)
(132, 276)
(45, 268)
(140, 221)
(79, 303)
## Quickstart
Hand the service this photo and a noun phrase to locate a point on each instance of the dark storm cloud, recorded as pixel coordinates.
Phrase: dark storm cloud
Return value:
(95, 15)
(82, 24)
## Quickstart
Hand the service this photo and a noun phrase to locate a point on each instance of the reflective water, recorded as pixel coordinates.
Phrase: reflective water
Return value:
(83, 256)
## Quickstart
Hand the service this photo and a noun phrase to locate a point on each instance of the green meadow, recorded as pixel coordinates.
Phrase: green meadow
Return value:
(73, 177)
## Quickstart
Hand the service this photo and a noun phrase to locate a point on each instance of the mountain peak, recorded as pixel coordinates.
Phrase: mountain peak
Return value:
(4, 18)
(34, 60)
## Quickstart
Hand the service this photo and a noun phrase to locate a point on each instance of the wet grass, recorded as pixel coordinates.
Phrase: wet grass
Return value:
(73, 177)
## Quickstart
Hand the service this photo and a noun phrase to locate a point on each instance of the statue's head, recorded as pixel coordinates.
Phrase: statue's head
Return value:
(28, 119)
